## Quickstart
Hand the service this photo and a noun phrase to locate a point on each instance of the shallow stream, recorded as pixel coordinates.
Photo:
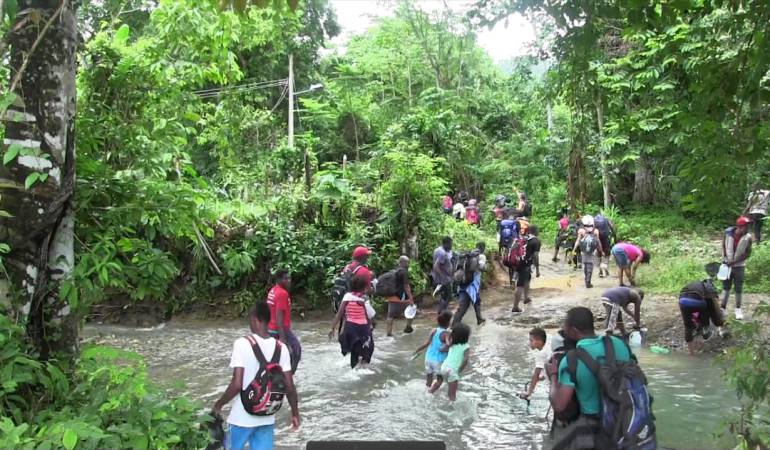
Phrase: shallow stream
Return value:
(388, 399)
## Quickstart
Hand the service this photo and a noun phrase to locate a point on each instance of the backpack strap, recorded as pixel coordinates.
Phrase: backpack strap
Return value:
(257, 351)
(609, 350)
(276, 359)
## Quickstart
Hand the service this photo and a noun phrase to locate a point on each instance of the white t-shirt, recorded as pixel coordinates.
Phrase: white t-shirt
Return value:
(458, 210)
(542, 357)
(243, 356)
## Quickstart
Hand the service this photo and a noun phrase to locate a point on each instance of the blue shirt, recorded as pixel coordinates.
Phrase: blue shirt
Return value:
(434, 353)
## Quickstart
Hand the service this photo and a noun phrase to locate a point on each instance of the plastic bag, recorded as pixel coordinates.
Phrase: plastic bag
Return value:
(724, 272)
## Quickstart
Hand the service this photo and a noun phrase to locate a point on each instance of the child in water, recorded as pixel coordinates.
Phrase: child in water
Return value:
(456, 360)
(436, 353)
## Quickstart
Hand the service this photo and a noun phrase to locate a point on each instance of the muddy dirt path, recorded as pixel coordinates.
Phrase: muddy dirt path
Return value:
(561, 287)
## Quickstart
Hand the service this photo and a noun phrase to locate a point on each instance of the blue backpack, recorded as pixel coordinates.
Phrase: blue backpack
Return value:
(509, 229)
(626, 421)
(602, 224)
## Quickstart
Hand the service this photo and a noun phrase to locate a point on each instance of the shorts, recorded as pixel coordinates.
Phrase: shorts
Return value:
(432, 367)
(614, 314)
(396, 310)
(524, 276)
(259, 438)
(621, 259)
(450, 375)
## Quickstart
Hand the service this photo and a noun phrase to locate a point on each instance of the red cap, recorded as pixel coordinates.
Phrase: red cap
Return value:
(743, 220)
(361, 252)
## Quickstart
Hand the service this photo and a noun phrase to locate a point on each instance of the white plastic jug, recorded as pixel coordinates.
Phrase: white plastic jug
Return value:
(635, 339)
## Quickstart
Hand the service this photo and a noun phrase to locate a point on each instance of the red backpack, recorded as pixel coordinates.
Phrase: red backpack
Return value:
(516, 254)
(264, 395)
(472, 215)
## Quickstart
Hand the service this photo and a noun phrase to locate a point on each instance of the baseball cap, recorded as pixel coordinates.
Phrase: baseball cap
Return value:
(361, 252)
(742, 220)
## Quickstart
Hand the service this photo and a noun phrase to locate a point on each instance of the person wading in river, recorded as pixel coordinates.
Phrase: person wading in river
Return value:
(437, 349)
(583, 383)
(402, 294)
(537, 342)
(356, 336)
(256, 430)
(442, 273)
(470, 294)
(280, 317)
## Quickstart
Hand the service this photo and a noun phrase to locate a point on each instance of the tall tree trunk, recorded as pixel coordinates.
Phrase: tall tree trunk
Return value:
(42, 122)
(644, 181)
(576, 182)
(603, 152)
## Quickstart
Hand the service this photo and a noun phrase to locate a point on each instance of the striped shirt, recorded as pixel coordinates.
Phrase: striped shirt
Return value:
(355, 312)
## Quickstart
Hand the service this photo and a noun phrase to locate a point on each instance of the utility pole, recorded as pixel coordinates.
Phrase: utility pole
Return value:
(291, 101)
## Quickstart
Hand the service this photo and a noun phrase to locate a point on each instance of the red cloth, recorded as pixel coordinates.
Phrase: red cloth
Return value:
(362, 272)
(278, 300)
(447, 202)
(564, 223)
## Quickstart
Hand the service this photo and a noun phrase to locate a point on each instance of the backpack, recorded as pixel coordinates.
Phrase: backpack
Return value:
(626, 421)
(467, 265)
(472, 215)
(341, 286)
(264, 395)
(589, 244)
(602, 224)
(508, 230)
(386, 284)
(516, 255)
(527, 211)
(573, 407)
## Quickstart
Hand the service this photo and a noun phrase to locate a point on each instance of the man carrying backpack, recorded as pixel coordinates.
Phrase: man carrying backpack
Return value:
(472, 216)
(736, 249)
(442, 273)
(470, 293)
(252, 417)
(394, 285)
(606, 233)
(605, 422)
(588, 242)
(524, 269)
(756, 208)
(280, 317)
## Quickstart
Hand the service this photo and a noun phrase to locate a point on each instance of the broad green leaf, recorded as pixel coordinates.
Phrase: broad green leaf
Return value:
(70, 439)
(31, 179)
(11, 153)
(121, 36)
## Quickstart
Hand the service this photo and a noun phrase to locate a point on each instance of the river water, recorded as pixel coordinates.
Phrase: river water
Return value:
(388, 400)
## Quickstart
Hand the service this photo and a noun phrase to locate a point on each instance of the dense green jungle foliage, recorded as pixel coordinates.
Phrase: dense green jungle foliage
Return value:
(189, 196)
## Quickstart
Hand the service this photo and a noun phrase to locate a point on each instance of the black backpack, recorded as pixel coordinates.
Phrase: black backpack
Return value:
(387, 284)
(626, 421)
(467, 265)
(264, 395)
(527, 211)
(341, 286)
